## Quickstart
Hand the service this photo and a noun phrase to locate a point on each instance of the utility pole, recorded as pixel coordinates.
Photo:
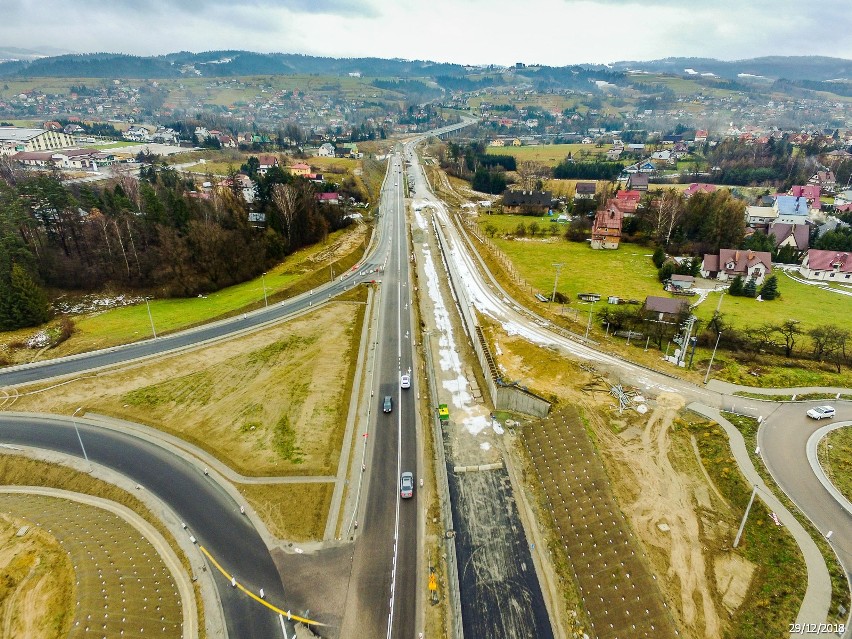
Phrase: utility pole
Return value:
(589, 324)
(558, 266)
(150, 317)
(687, 331)
(710, 365)
(263, 279)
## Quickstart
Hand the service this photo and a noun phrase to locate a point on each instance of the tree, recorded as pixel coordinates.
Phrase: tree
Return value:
(761, 337)
(659, 256)
(736, 287)
(769, 290)
(750, 288)
(789, 331)
(22, 302)
(490, 229)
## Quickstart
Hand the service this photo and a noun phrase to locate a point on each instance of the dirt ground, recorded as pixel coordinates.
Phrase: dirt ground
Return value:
(272, 402)
(683, 523)
(36, 583)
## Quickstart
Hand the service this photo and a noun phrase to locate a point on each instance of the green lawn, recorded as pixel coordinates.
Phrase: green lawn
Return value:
(627, 272)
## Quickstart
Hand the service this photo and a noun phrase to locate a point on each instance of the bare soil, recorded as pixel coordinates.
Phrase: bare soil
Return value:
(677, 514)
(272, 402)
(36, 583)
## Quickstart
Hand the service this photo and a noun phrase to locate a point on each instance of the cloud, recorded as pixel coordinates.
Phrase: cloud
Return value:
(554, 32)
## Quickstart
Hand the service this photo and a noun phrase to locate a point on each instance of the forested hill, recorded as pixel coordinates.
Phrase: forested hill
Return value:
(219, 63)
(813, 68)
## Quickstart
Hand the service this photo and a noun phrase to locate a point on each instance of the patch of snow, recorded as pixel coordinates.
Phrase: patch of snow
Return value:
(485, 446)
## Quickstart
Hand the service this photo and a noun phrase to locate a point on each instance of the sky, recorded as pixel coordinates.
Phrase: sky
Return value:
(553, 32)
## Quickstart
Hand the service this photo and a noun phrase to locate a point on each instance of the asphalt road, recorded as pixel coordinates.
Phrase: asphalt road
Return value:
(208, 511)
(385, 554)
(783, 445)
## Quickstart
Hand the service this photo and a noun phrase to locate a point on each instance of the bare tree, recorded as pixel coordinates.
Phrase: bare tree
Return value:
(789, 331)
(286, 199)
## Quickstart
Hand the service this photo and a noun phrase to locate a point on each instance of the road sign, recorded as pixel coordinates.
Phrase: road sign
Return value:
(433, 583)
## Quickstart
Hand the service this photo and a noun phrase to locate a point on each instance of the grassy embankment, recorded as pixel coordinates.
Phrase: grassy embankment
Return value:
(835, 455)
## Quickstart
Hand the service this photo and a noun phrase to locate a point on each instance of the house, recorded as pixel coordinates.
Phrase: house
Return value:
(614, 154)
(585, 191)
(606, 230)
(300, 168)
(628, 201)
(137, 134)
(729, 263)
(266, 162)
(697, 187)
(531, 200)
(244, 184)
(700, 136)
(810, 192)
(760, 215)
(827, 266)
(662, 156)
(326, 150)
(635, 148)
(664, 309)
(791, 210)
(824, 179)
(637, 182)
(328, 198)
(73, 129)
(796, 235)
(226, 141)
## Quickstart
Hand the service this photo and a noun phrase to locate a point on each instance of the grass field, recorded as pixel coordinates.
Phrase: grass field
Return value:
(547, 154)
(295, 512)
(835, 455)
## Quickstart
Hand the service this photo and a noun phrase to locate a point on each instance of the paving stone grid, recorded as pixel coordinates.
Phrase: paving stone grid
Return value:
(123, 588)
(619, 593)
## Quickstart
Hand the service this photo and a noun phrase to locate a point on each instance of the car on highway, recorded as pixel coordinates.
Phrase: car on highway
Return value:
(405, 381)
(387, 405)
(820, 412)
(406, 485)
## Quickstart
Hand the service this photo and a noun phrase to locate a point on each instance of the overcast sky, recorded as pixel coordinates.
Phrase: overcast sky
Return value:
(555, 32)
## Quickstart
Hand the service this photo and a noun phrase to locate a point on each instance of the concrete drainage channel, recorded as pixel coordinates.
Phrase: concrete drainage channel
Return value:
(619, 594)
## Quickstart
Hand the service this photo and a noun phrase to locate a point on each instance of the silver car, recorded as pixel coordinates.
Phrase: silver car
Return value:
(406, 485)
(820, 412)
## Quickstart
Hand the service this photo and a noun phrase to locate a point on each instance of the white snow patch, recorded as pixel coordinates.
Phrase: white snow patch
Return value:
(497, 428)
(475, 424)
(485, 446)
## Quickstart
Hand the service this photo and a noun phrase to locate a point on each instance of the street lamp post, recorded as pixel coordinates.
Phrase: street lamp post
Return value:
(263, 280)
(710, 365)
(79, 439)
(151, 318)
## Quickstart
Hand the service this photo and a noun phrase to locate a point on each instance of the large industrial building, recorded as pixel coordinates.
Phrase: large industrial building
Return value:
(14, 139)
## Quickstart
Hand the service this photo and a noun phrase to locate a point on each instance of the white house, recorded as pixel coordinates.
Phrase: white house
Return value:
(729, 263)
(326, 150)
(759, 215)
(829, 266)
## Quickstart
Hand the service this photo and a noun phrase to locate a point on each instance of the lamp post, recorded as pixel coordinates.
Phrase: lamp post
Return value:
(558, 266)
(710, 365)
(589, 323)
(79, 439)
(263, 280)
(151, 318)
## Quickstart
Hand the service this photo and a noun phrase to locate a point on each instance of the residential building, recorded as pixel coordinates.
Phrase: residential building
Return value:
(810, 192)
(585, 191)
(328, 198)
(664, 309)
(266, 162)
(628, 201)
(791, 210)
(637, 182)
(300, 168)
(729, 263)
(326, 150)
(796, 235)
(827, 266)
(760, 215)
(824, 179)
(697, 187)
(681, 282)
(533, 200)
(606, 230)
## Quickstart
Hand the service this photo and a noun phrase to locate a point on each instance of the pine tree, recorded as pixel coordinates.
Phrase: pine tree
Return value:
(22, 302)
(750, 288)
(769, 291)
(659, 257)
(736, 287)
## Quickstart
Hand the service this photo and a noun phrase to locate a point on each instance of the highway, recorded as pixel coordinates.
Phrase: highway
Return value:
(385, 554)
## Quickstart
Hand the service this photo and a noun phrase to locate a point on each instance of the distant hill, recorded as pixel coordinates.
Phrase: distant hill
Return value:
(219, 64)
(794, 68)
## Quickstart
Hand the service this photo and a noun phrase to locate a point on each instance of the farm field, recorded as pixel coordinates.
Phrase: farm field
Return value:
(547, 154)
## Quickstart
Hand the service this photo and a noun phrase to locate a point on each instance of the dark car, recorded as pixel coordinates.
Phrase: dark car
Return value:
(387, 406)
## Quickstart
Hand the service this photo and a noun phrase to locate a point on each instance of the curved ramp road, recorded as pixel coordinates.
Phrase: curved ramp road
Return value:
(210, 514)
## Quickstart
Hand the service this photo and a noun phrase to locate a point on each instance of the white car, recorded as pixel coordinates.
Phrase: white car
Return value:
(405, 381)
(821, 411)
